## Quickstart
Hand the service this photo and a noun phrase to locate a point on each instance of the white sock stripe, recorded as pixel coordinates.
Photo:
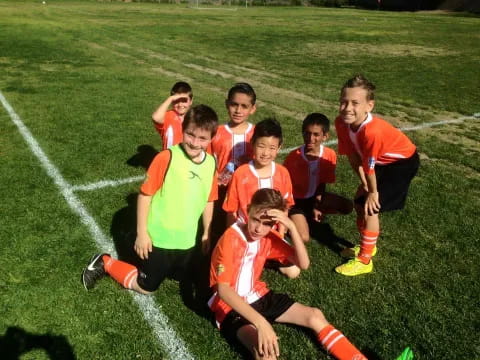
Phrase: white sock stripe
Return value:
(369, 242)
(340, 335)
(370, 237)
(331, 333)
(127, 282)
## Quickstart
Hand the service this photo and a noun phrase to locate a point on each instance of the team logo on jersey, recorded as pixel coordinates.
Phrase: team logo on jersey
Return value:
(371, 162)
(193, 175)
(220, 269)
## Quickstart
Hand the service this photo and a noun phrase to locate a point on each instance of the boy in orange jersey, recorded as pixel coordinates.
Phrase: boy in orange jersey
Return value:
(243, 305)
(384, 159)
(168, 123)
(261, 172)
(231, 145)
(311, 167)
(179, 188)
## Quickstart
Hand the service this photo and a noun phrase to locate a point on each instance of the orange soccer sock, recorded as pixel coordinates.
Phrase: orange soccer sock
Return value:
(367, 244)
(124, 273)
(338, 345)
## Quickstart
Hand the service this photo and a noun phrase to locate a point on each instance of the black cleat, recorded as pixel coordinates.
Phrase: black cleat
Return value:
(93, 272)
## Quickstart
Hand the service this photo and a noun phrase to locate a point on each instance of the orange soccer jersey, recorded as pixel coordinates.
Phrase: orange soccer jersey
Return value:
(376, 141)
(171, 129)
(245, 181)
(307, 174)
(229, 147)
(239, 263)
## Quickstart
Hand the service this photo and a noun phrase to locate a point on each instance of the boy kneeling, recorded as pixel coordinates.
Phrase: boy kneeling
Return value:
(243, 305)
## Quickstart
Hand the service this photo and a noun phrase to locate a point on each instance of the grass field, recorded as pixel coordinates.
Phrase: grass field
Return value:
(79, 81)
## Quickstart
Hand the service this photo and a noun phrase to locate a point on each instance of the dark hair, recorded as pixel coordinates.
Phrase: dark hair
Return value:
(266, 128)
(201, 116)
(360, 81)
(267, 199)
(242, 88)
(181, 87)
(316, 119)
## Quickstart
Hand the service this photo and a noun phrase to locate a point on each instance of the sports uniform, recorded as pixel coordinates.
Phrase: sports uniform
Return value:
(245, 181)
(386, 152)
(240, 263)
(229, 147)
(180, 189)
(170, 130)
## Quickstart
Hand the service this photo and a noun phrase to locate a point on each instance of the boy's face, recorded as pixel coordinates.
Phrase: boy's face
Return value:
(181, 105)
(259, 224)
(265, 150)
(195, 141)
(313, 137)
(354, 106)
(240, 107)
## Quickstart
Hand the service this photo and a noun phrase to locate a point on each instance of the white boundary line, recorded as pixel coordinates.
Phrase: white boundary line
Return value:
(171, 342)
(106, 183)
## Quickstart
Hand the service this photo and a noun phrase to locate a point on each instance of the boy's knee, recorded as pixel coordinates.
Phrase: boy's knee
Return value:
(305, 238)
(291, 272)
(317, 320)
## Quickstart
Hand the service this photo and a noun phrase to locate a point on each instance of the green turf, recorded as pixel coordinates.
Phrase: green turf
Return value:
(85, 77)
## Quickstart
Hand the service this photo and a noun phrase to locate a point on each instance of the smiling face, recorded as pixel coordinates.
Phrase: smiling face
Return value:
(259, 224)
(195, 141)
(265, 150)
(354, 106)
(239, 108)
(313, 137)
(181, 105)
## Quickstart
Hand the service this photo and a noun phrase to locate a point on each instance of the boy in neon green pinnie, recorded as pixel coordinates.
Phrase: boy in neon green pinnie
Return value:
(180, 187)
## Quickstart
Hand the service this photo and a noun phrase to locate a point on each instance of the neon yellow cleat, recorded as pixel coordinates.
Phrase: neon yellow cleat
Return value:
(407, 354)
(350, 253)
(354, 267)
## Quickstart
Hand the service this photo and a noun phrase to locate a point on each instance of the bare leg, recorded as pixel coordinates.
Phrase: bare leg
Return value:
(248, 336)
(302, 226)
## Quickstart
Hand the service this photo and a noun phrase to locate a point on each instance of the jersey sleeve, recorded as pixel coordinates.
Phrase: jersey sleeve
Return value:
(328, 164)
(287, 187)
(345, 146)
(221, 265)
(156, 173)
(232, 200)
(280, 250)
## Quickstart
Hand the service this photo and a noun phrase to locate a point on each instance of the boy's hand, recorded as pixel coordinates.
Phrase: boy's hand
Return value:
(280, 217)
(143, 246)
(176, 97)
(317, 215)
(372, 204)
(267, 340)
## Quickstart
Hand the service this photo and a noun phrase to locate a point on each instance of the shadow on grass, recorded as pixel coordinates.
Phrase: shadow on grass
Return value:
(324, 234)
(16, 342)
(193, 285)
(144, 156)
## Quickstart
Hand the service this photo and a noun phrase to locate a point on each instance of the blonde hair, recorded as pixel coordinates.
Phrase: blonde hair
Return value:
(362, 82)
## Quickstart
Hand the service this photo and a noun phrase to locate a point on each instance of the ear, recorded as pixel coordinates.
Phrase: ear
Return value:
(371, 105)
(253, 109)
(326, 136)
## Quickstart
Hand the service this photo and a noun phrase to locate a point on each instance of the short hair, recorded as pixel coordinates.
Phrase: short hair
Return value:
(182, 87)
(202, 116)
(316, 119)
(243, 88)
(360, 81)
(267, 199)
(266, 128)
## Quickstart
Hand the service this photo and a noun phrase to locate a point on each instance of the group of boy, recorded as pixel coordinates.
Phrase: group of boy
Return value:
(260, 203)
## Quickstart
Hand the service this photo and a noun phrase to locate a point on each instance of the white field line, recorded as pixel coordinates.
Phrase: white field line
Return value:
(106, 183)
(169, 339)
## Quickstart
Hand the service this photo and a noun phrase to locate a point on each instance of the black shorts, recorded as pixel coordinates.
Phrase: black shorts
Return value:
(393, 181)
(162, 263)
(270, 306)
(303, 207)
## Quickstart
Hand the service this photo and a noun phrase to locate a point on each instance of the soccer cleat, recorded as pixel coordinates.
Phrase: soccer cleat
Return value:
(354, 267)
(93, 272)
(350, 253)
(407, 354)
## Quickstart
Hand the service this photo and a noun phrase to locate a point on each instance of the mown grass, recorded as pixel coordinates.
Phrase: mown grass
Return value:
(85, 77)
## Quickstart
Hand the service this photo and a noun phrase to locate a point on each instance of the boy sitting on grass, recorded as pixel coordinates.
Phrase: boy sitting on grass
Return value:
(243, 305)
(180, 186)
(384, 159)
(311, 167)
(168, 123)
